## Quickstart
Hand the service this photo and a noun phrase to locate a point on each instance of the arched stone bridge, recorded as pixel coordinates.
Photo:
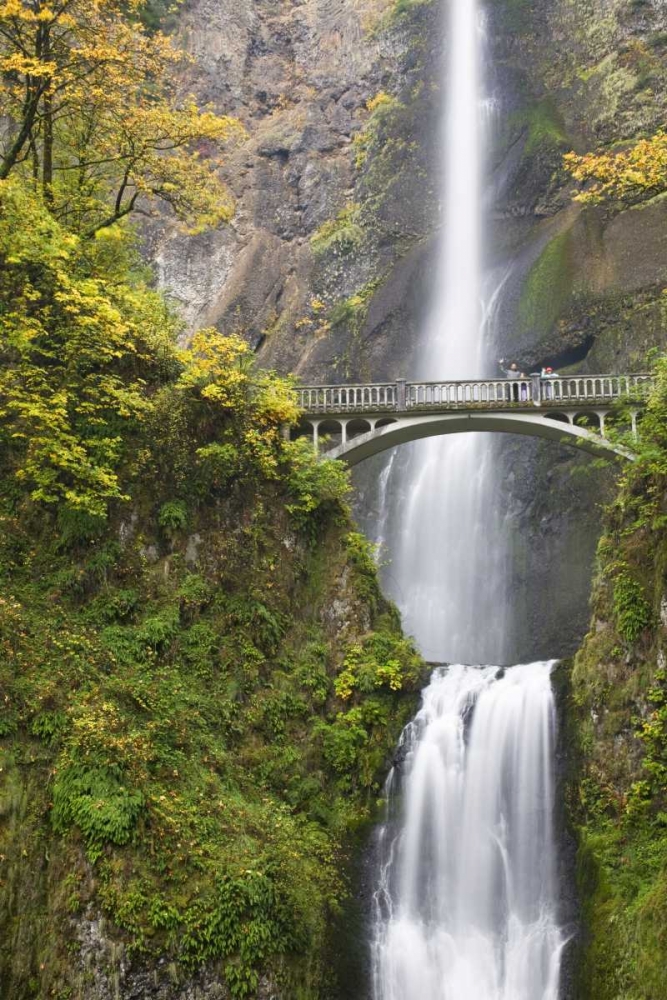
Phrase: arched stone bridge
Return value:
(362, 420)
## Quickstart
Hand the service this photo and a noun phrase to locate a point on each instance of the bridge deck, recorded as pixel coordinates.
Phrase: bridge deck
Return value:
(490, 394)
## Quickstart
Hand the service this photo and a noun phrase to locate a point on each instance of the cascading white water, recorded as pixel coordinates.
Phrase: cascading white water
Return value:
(465, 905)
(444, 537)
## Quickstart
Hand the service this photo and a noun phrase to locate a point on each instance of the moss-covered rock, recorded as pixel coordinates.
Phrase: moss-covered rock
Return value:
(618, 722)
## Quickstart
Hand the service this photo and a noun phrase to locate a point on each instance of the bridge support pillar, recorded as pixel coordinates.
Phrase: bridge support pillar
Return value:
(600, 417)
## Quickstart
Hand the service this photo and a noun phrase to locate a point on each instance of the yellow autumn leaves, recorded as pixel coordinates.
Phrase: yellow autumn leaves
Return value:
(627, 176)
(96, 121)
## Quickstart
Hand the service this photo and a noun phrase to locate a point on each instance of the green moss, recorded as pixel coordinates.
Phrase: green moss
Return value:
(400, 10)
(548, 287)
(517, 16)
(352, 312)
(545, 127)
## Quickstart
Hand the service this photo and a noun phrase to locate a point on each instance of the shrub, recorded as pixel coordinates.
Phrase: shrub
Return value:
(98, 802)
(173, 516)
(316, 486)
(631, 609)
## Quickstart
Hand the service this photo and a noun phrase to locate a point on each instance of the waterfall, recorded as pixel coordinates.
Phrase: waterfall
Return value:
(464, 908)
(443, 536)
(466, 900)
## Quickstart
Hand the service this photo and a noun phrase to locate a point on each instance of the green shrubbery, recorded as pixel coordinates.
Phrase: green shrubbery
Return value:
(620, 699)
(209, 733)
(631, 609)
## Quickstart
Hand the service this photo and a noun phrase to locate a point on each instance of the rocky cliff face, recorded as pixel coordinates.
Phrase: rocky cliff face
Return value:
(328, 263)
(312, 83)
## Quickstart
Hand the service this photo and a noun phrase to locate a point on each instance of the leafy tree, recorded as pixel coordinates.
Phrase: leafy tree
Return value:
(89, 365)
(629, 176)
(94, 120)
(81, 340)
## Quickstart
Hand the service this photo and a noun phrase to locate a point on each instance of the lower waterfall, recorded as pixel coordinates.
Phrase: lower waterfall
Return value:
(466, 901)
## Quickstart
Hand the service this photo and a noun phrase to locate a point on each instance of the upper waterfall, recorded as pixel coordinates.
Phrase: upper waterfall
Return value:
(453, 343)
(443, 535)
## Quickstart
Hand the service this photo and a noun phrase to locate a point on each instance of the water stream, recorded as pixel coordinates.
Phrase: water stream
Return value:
(441, 529)
(466, 904)
(465, 907)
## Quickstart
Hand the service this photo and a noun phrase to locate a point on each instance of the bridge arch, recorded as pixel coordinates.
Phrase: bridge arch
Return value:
(415, 427)
(365, 420)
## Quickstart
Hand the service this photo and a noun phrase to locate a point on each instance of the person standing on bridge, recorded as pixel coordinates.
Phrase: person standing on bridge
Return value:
(511, 372)
(548, 373)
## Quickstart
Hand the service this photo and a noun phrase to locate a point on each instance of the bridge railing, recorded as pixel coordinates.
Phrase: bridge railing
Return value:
(400, 396)
(454, 395)
(348, 398)
(597, 388)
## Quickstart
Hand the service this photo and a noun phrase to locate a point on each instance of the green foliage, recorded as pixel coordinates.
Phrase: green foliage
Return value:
(652, 732)
(220, 464)
(620, 699)
(632, 611)
(49, 726)
(98, 802)
(342, 742)
(89, 373)
(380, 661)
(340, 235)
(315, 487)
(173, 516)
(77, 354)
(187, 715)
(382, 108)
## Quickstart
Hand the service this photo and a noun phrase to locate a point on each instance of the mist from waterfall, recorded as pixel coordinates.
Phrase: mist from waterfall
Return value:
(465, 903)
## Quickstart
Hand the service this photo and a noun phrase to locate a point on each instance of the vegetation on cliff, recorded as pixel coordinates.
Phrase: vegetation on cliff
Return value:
(625, 177)
(180, 589)
(619, 701)
(200, 682)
